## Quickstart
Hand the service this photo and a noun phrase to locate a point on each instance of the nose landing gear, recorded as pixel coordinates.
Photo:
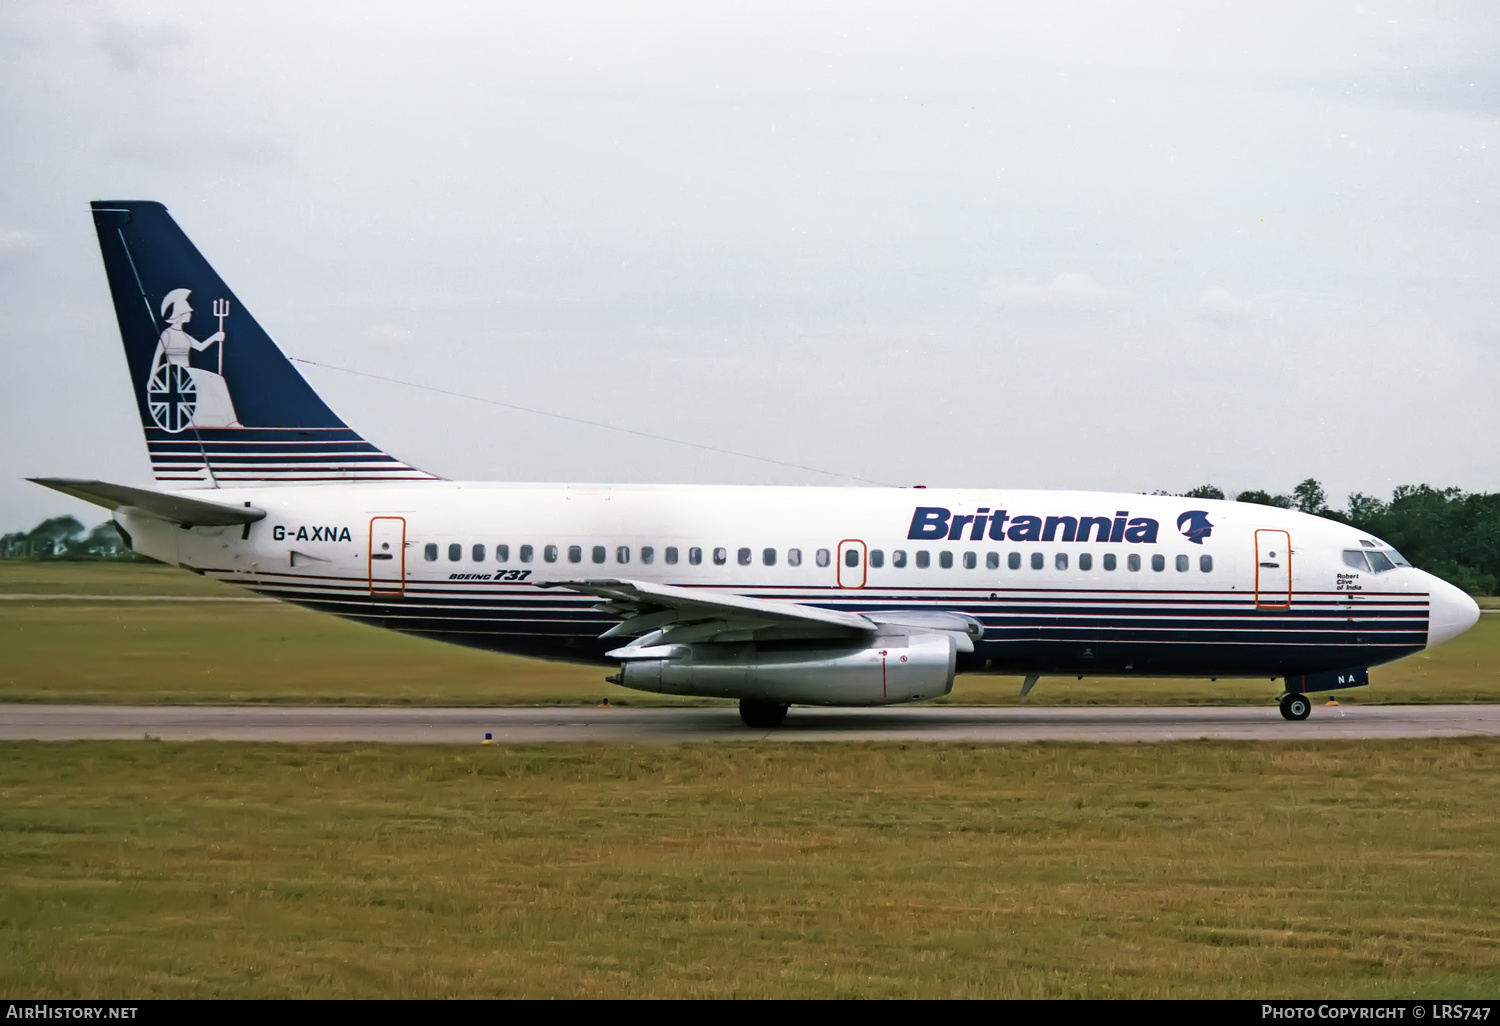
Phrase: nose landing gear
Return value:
(1295, 707)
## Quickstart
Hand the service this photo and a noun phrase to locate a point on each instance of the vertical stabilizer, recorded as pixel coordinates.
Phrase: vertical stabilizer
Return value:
(220, 404)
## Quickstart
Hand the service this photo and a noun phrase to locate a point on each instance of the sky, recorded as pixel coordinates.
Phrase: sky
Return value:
(1071, 245)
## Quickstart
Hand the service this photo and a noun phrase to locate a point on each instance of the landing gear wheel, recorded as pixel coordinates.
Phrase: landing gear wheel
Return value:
(762, 715)
(1295, 707)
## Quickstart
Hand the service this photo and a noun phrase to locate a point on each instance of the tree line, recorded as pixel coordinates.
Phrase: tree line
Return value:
(1445, 531)
(65, 538)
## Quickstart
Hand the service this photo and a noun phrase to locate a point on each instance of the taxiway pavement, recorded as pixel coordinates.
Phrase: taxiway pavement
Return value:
(666, 725)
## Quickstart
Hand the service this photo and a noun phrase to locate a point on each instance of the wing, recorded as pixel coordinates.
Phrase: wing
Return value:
(664, 614)
(667, 614)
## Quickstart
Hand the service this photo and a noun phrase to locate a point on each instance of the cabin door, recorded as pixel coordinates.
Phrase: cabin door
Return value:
(852, 563)
(1273, 569)
(387, 555)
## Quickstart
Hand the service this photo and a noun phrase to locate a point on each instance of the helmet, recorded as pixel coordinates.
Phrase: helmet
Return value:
(175, 302)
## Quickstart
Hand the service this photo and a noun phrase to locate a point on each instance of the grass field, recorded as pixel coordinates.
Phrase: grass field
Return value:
(1201, 869)
(233, 652)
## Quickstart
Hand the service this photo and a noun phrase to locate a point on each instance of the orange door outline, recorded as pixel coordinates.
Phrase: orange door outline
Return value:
(1273, 583)
(383, 585)
(847, 577)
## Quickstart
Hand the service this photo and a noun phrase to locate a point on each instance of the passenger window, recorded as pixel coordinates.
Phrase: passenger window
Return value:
(1182, 564)
(1356, 559)
(622, 554)
(550, 553)
(1133, 562)
(945, 560)
(648, 554)
(721, 556)
(1158, 562)
(971, 560)
(1061, 562)
(877, 558)
(455, 552)
(744, 557)
(793, 557)
(924, 559)
(599, 554)
(1038, 561)
(898, 558)
(477, 554)
(695, 555)
(768, 557)
(670, 555)
(429, 552)
(851, 557)
(1206, 564)
(526, 552)
(1085, 561)
(575, 553)
(1379, 562)
(824, 558)
(992, 561)
(1013, 561)
(502, 553)
(1109, 561)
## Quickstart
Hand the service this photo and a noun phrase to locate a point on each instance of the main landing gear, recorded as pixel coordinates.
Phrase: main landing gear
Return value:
(761, 714)
(1295, 707)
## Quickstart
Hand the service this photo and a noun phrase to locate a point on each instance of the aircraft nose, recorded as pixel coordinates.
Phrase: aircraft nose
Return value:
(1451, 612)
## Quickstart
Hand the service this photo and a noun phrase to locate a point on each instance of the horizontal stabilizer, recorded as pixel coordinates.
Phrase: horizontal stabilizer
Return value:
(171, 507)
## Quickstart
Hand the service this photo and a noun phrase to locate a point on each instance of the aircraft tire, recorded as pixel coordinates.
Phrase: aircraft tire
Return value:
(1296, 707)
(761, 714)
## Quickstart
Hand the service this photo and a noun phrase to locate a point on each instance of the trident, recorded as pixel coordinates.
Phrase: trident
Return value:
(221, 311)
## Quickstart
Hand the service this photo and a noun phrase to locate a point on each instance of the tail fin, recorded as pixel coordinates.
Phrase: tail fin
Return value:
(220, 406)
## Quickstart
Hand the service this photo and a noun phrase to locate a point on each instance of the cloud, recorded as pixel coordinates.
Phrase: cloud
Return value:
(132, 47)
(162, 149)
(1071, 291)
(15, 242)
(1219, 305)
(389, 335)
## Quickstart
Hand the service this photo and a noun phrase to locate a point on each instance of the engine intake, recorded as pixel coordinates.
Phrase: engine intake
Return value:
(900, 668)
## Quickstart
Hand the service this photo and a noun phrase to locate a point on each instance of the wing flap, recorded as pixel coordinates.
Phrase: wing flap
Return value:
(173, 508)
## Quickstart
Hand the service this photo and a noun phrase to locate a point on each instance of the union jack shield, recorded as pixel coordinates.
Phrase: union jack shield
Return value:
(172, 397)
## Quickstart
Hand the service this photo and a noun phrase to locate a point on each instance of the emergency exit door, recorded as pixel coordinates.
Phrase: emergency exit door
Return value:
(1273, 569)
(387, 555)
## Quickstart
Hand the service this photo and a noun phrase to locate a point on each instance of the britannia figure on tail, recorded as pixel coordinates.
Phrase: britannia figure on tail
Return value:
(180, 395)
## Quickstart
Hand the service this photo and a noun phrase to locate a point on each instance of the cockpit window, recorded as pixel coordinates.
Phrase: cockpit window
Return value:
(1374, 560)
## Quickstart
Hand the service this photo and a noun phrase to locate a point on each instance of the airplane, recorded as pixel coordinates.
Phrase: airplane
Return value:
(770, 595)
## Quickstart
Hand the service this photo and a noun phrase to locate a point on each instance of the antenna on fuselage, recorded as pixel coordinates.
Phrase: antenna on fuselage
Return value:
(596, 423)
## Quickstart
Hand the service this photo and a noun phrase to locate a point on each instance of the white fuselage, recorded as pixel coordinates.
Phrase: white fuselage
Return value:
(1068, 582)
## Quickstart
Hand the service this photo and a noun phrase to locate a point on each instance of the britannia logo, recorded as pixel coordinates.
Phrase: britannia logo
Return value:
(1195, 526)
(178, 394)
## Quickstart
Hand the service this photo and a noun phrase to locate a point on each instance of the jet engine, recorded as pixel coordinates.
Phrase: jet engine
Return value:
(896, 668)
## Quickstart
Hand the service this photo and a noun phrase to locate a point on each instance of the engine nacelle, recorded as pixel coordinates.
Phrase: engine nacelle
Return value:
(899, 668)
